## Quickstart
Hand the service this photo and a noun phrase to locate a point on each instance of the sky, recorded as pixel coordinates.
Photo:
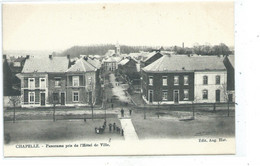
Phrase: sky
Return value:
(61, 26)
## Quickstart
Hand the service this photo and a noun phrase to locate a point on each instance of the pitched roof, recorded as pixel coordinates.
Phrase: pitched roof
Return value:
(81, 66)
(184, 63)
(110, 59)
(94, 62)
(231, 59)
(46, 64)
(123, 62)
(149, 55)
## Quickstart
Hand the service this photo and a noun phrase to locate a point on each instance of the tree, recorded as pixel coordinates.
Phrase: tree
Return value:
(55, 100)
(193, 106)
(158, 104)
(14, 101)
(226, 96)
(7, 80)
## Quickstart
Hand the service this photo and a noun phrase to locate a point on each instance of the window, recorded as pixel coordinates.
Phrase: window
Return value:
(31, 83)
(57, 82)
(31, 97)
(75, 96)
(56, 98)
(42, 83)
(75, 81)
(176, 80)
(165, 95)
(150, 80)
(186, 94)
(205, 80)
(186, 80)
(90, 80)
(217, 80)
(205, 94)
(164, 81)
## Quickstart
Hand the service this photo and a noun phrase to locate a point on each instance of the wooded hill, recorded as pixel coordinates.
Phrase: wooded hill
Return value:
(75, 51)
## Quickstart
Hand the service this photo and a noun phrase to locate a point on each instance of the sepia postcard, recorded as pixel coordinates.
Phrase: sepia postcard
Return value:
(111, 78)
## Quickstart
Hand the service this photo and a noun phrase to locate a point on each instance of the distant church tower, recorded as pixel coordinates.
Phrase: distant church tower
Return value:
(117, 49)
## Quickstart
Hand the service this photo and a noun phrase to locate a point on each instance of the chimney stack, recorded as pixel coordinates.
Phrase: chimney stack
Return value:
(27, 56)
(182, 44)
(50, 56)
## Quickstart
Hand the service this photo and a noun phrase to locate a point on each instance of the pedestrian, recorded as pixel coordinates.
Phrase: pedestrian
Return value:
(110, 127)
(114, 126)
(119, 130)
(122, 112)
(105, 123)
(130, 112)
(112, 105)
(122, 133)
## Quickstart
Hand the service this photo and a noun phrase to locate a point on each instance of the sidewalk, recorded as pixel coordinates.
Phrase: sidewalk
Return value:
(129, 130)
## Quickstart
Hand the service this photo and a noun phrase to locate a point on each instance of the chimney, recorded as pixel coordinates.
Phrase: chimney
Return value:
(27, 56)
(50, 56)
(4, 57)
(68, 56)
(182, 44)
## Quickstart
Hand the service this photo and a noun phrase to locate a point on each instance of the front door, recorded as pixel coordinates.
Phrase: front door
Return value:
(42, 98)
(217, 95)
(150, 96)
(176, 96)
(62, 96)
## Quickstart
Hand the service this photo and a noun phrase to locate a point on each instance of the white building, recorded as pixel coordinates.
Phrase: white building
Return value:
(210, 86)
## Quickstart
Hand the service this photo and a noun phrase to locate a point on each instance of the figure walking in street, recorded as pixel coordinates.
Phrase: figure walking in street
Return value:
(110, 127)
(112, 106)
(114, 126)
(122, 112)
(122, 133)
(130, 112)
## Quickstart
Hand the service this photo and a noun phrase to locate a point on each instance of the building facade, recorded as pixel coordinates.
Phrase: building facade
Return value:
(56, 82)
(180, 79)
(81, 84)
(210, 86)
(168, 88)
(41, 79)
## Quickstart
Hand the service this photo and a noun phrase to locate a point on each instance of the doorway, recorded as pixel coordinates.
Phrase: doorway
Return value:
(62, 96)
(42, 99)
(176, 96)
(217, 95)
(150, 96)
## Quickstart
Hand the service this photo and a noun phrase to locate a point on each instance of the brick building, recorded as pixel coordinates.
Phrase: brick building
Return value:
(179, 79)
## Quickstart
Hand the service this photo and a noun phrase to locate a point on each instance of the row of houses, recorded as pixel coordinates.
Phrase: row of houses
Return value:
(56, 80)
(179, 79)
